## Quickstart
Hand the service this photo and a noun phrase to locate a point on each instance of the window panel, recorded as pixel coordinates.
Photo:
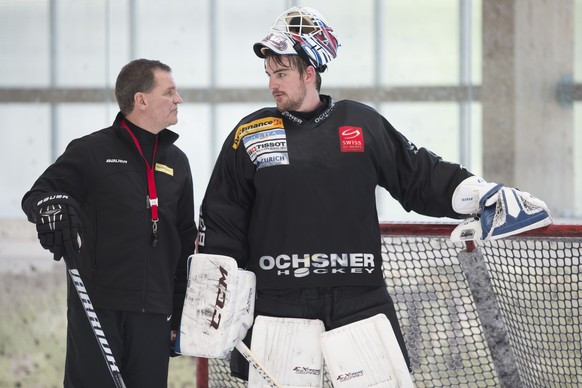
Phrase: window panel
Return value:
(24, 43)
(26, 131)
(81, 46)
(237, 28)
(420, 45)
(175, 33)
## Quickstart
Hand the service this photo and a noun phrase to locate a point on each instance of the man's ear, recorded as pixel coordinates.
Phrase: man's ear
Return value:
(310, 74)
(139, 101)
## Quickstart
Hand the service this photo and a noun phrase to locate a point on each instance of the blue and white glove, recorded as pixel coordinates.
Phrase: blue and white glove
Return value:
(498, 211)
(57, 225)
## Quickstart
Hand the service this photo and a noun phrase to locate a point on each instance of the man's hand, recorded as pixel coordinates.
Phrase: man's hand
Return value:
(57, 225)
(504, 212)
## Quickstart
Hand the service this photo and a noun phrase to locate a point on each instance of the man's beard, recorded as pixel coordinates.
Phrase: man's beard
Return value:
(292, 103)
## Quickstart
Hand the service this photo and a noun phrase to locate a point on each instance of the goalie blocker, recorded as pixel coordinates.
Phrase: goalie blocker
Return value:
(218, 311)
(218, 307)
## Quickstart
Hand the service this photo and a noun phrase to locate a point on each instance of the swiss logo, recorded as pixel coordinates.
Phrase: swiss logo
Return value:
(351, 139)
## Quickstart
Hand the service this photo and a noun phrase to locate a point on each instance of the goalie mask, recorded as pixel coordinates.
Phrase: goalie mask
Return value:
(301, 31)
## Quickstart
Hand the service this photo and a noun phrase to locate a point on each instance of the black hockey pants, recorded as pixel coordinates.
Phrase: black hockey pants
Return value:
(140, 343)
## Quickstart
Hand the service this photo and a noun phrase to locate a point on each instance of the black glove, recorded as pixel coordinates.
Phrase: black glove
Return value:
(57, 225)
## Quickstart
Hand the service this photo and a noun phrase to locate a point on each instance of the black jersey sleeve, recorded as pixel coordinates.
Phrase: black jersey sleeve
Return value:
(419, 179)
(226, 208)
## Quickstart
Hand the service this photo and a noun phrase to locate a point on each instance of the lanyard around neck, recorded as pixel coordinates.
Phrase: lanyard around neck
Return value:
(152, 199)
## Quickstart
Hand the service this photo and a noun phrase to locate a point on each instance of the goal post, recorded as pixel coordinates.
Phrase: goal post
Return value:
(501, 313)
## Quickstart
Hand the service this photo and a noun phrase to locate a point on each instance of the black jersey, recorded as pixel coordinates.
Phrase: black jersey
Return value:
(293, 199)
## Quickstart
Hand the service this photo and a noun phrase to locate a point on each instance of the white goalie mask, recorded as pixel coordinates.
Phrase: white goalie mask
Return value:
(301, 31)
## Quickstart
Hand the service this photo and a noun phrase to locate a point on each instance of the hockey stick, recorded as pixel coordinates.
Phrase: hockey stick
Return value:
(255, 363)
(94, 321)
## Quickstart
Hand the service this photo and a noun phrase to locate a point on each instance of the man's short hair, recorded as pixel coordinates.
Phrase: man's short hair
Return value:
(295, 63)
(136, 76)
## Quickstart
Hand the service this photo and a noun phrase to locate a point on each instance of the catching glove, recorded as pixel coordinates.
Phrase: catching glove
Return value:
(57, 225)
(502, 211)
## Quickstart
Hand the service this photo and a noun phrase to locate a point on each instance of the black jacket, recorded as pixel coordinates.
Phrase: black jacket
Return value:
(106, 175)
(293, 199)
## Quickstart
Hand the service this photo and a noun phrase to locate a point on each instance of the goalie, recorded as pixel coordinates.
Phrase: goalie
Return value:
(292, 196)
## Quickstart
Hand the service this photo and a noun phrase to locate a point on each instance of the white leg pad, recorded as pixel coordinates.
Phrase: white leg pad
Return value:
(290, 350)
(365, 354)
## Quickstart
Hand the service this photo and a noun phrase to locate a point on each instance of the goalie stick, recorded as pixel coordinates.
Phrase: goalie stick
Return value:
(256, 364)
(94, 322)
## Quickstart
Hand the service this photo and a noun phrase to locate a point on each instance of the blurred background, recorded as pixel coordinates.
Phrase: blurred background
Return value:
(493, 84)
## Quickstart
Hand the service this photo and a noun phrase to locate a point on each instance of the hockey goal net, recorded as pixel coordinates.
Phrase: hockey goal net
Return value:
(505, 313)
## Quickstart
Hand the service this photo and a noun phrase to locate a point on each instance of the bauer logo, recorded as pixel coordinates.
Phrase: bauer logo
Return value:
(351, 139)
(93, 319)
(51, 197)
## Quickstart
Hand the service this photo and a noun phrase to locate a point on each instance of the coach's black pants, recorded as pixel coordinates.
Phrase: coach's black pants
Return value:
(140, 343)
(337, 306)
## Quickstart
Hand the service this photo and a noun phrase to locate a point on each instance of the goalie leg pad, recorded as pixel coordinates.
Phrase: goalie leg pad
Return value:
(218, 307)
(290, 349)
(365, 354)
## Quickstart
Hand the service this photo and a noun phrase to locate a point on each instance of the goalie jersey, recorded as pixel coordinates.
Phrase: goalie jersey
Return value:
(292, 198)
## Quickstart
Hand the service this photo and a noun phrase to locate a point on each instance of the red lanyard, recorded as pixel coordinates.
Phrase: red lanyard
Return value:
(153, 196)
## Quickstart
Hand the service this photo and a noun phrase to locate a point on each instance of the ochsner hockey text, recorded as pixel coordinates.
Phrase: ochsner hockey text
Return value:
(300, 265)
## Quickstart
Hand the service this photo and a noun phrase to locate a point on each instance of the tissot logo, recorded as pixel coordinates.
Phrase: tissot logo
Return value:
(351, 139)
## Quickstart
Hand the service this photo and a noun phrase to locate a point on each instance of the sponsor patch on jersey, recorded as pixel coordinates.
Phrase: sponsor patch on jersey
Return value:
(165, 169)
(267, 147)
(351, 139)
(302, 265)
(256, 126)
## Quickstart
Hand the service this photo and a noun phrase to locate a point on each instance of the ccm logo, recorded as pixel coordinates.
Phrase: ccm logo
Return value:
(351, 139)
(220, 299)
